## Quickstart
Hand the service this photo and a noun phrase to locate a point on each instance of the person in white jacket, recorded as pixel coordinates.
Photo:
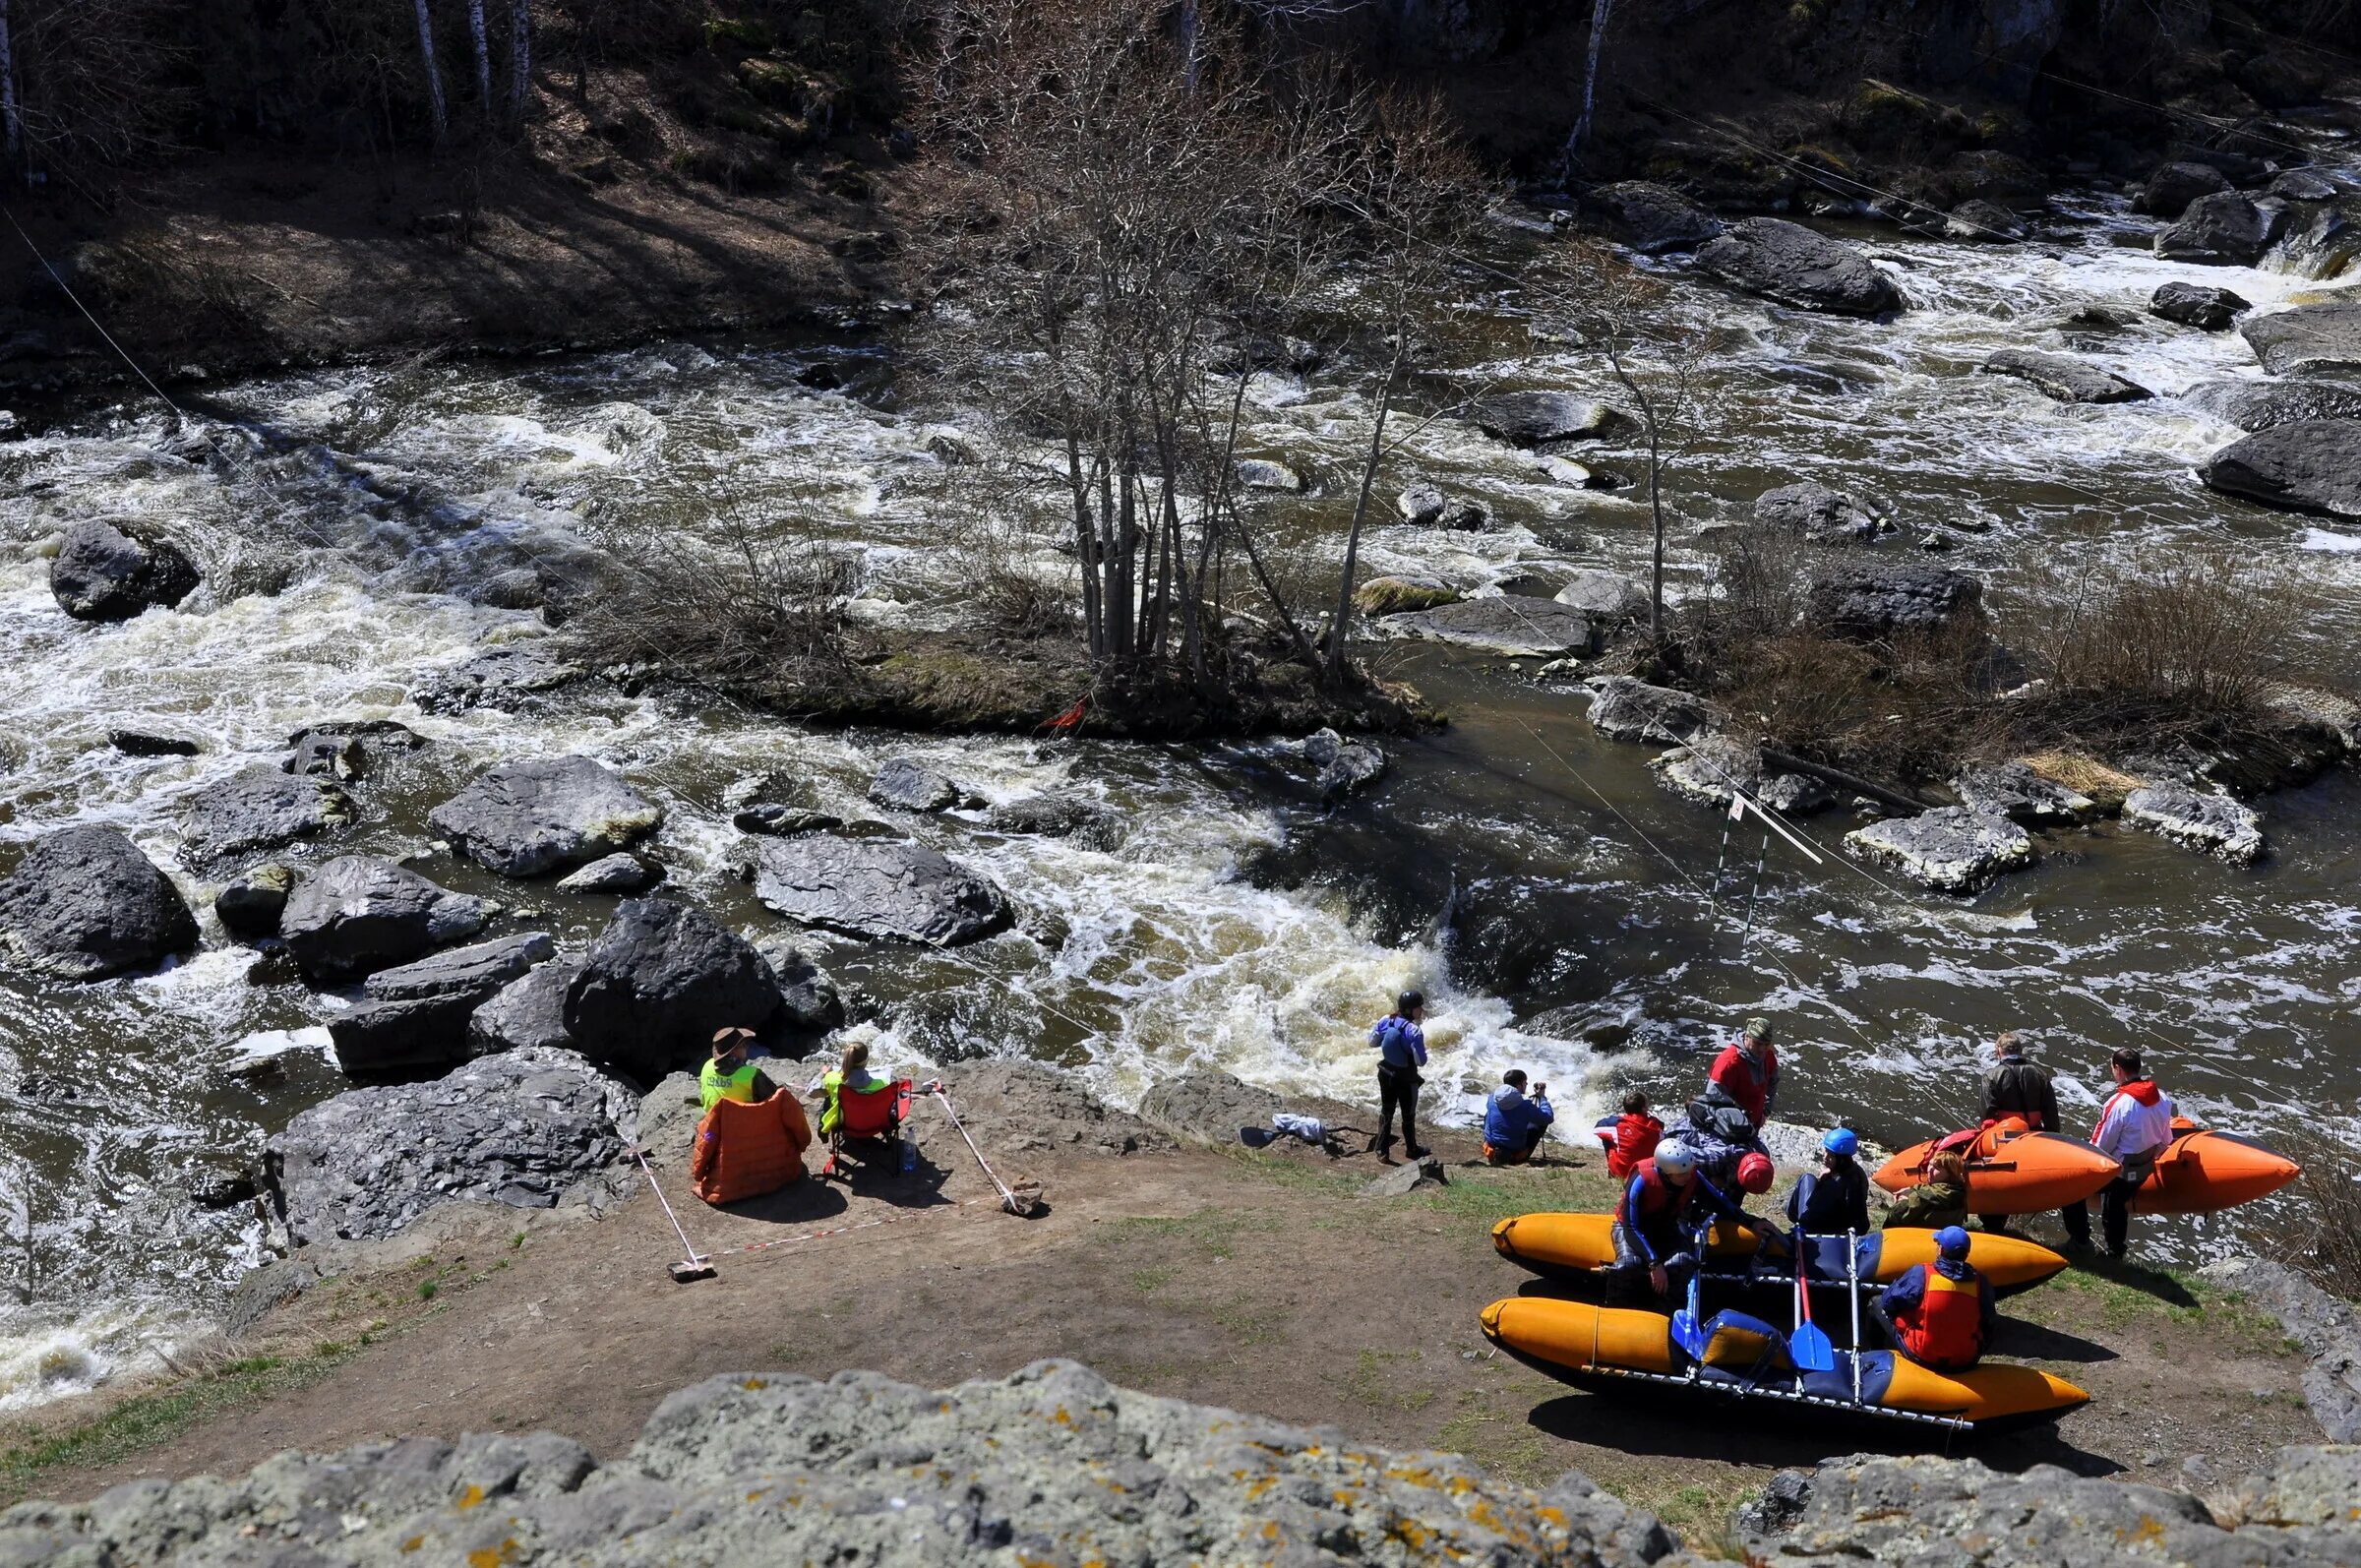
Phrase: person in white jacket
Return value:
(2134, 1125)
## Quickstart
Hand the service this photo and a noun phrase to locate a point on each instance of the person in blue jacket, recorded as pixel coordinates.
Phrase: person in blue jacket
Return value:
(1515, 1122)
(1401, 1047)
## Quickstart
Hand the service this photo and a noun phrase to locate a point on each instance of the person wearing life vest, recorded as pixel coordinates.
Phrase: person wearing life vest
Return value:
(1835, 1199)
(1940, 1315)
(1657, 1217)
(1401, 1047)
(852, 1068)
(728, 1075)
(2134, 1125)
(1748, 1071)
(1636, 1135)
(1514, 1121)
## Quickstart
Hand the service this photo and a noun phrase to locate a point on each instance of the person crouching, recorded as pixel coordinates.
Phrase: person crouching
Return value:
(1514, 1122)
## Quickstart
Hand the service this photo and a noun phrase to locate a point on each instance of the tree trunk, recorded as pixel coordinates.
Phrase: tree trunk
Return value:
(1361, 511)
(12, 131)
(434, 73)
(1302, 644)
(520, 60)
(1655, 517)
(1601, 10)
(483, 55)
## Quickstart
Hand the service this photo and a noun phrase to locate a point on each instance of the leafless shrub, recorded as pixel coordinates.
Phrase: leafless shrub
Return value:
(2322, 1237)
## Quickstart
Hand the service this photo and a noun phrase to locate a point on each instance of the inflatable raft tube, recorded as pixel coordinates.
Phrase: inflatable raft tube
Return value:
(1745, 1361)
(1572, 1245)
(2011, 1170)
(2205, 1172)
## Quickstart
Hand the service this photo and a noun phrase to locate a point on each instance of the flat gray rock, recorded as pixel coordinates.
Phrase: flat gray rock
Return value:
(1604, 596)
(1625, 709)
(416, 1015)
(1797, 265)
(2023, 795)
(658, 982)
(909, 785)
(1534, 418)
(2313, 467)
(2307, 339)
(527, 1011)
(260, 809)
(876, 889)
(1057, 813)
(531, 819)
(2213, 824)
(1950, 849)
(2064, 379)
(1509, 624)
(358, 914)
(517, 678)
(1653, 219)
(114, 571)
(1261, 473)
(2262, 404)
(518, 1129)
(83, 903)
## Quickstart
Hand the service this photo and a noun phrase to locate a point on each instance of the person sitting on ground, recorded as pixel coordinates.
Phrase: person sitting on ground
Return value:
(1940, 1315)
(1514, 1121)
(1401, 1047)
(1657, 1217)
(1835, 1199)
(1637, 1133)
(1749, 1071)
(1938, 1202)
(2134, 1125)
(851, 1071)
(728, 1075)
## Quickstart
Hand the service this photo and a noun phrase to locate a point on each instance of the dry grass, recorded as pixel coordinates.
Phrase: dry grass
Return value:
(2084, 775)
(2325, 1238)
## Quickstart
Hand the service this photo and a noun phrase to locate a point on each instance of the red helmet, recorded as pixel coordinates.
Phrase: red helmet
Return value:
(1755, 1172)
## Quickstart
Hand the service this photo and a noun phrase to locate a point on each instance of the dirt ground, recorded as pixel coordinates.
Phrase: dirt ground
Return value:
(1265, 1282)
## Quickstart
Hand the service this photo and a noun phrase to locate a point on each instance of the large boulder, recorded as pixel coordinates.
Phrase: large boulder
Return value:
(519, 1129)
(530, 819)
(113, 570)
(416, 1014)
(259, 808)
(2313, 467)
(1513, 625)
(346, 748)
(527, 1011)
(1795, 266)
(908, 785)
(1534, 418)
(509, 678)
(358, 914)
(1028, 1107)
(1985, 222)
(1205, 1103)
(809, 999)
(2223, 229)
(83, 903)
(658, 982)
(2261, 405)
(1814, 511)
(2213, 824)
(1057, 813)
(1652, 218)
(1951, 848)
(1262, 473)
(2023, 795)
(2212, 310)
(1607, 597)
(1627, 708)
(2307, 339)
(1875, 600)
(1051, 1464)
(2067, 380)
(876, 888)
(2173, 186)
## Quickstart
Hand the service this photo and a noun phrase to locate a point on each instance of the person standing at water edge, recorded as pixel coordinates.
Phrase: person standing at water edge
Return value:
(1401, 1047)
(2017, 1087)
(1513, 1122)
(1748, 1071)
(2134, 1125)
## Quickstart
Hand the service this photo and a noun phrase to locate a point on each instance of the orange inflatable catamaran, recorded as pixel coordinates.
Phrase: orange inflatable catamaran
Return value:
(2012, 1170)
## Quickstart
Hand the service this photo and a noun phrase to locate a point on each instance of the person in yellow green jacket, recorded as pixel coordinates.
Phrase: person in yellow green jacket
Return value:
(728, 1075)
(851, 1069)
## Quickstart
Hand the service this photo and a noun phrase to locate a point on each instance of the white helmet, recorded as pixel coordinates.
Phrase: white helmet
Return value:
(1674, 1159)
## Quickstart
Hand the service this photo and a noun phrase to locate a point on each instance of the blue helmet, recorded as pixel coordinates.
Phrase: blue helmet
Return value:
(1952, 1242)
(1841, 1140)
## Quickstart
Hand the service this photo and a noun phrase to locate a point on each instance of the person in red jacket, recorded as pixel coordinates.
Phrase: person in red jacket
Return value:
(1637, 1134)
(1748, 1071)
(1940, 1315)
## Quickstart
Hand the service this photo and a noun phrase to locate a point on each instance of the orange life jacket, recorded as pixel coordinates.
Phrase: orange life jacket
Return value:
(745, 1149)
(1946, 1329)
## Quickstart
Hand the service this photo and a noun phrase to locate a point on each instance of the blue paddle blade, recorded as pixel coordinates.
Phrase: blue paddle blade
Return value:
(1687, 1333)
(1810, 1347)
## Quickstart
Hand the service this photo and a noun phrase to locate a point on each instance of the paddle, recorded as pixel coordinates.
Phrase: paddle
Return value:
(1688, 1333)
(1809, 1345)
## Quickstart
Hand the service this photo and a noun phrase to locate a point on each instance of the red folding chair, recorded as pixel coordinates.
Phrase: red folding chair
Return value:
(872, 1115)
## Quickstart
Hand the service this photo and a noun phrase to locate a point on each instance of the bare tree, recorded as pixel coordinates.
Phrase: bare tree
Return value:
(434, 72)
(11, 129)
(1601, 11)
(483, 55)
(520, 60)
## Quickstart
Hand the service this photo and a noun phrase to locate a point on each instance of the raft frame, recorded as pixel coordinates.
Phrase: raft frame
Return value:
(1948, 1425)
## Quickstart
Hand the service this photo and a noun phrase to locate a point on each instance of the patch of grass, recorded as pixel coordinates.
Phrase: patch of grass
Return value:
(1150, 1279)
(427, 1290)
(1502, 1440)
(1376, 1380)
(2123, 1295)
(143, 1420)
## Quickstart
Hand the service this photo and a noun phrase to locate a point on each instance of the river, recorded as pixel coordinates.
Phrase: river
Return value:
(1565, 912)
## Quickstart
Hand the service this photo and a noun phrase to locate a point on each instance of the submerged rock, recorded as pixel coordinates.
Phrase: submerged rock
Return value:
(250, 904)
(1510, 625)
(530, 819)
(2223, 229)
(1795, 266)
(2261, 405)
(417, 1014)
(658, 982)
(83, 903)
(1876, 600)
(876, 889)
(1533, 418)
(2214, 824)
(2313, 467)
(783, 821)
(519, 1129)
(1653, 219)
(1261, 473)
(260, 809)
(2212, 310)
(1818, 513)
(2068, 381)
(1705, 770)
(2307, 339)
(1396, 595)
(142, 743)
(359, 914)
(114, 571)
(1624, 708)
(346, 748)
(499, 678)
(1057, 813)
(1951, 848)
(1985, 222)
(908, 785)
(2017, 793)
(1347, 767)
